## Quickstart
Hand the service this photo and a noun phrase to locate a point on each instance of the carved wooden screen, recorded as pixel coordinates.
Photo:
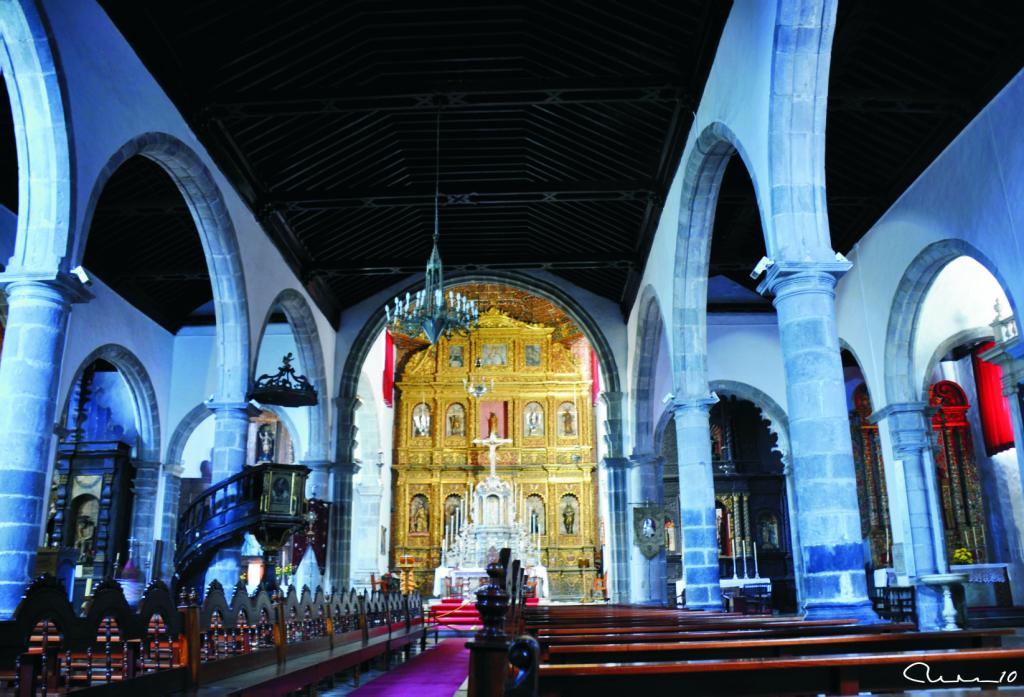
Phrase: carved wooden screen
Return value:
(957, 471)
(870, 469)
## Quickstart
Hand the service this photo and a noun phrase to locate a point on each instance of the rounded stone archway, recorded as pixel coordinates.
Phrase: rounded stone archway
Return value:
(209, 212)
(904, 316)
(650, 331)
(41, 136)
(702, 180)
(311, 358)
(134, 373)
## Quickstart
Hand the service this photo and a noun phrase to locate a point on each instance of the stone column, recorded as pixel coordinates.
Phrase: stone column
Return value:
(911, 432)
(618, 528)
(697, 506)
(37, 318)
(340, 565)
(145, 486)
(230, 428)
(617, 468)
(828, 516)
(647, 584)
(172, 497)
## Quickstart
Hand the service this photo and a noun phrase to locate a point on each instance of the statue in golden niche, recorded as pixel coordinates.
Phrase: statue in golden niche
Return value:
(492, 424)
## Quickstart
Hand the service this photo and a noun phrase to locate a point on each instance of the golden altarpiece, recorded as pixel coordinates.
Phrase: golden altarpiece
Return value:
(538, 397)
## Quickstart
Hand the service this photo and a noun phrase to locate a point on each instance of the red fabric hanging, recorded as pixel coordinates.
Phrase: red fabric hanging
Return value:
(996, 422)
(595, 378)
(389, 368)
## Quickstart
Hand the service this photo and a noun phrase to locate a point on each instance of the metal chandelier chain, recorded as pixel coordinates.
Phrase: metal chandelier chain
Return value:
(427, 312)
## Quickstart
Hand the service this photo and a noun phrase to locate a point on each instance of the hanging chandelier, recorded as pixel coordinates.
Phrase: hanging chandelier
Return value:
(431, 311)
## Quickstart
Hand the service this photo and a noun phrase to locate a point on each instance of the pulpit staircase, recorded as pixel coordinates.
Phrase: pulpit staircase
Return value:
(266, 500)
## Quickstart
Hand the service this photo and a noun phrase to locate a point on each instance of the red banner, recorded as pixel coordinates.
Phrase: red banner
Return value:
(389, 368)
(315, 536)
(993, 407)
(595, 378)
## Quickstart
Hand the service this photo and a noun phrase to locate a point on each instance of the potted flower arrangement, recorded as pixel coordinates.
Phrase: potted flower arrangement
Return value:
(962, 555)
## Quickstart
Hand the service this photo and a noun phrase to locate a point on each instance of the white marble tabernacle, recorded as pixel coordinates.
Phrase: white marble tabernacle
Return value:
(493, 519)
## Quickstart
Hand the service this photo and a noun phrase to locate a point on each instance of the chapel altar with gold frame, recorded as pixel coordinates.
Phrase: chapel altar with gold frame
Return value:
(540, 400)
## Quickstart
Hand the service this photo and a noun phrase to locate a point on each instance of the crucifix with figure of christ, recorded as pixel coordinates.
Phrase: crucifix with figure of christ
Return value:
(493, 442)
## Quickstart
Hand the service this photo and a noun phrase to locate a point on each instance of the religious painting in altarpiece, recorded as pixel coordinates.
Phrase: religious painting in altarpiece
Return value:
(549, 417)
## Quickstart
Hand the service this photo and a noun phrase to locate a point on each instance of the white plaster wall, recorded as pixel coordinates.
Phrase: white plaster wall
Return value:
(961, 298)
(745, 348)
(194, 370)
(112, 99)
(109, 319)
(974, 191)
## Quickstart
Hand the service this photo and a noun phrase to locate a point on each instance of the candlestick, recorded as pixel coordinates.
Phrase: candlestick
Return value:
(745, 559)
(757, 574)
(734, 563)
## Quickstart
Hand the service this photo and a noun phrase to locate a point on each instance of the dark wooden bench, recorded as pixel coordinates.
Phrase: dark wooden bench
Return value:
(845, 674)
(744, 647)
(708, 635)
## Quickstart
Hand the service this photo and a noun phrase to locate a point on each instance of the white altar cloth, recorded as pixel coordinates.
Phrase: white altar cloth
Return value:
(472, 577)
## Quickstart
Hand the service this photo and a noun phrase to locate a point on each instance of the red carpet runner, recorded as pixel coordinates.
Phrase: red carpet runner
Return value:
(436, 673)
(454, 613)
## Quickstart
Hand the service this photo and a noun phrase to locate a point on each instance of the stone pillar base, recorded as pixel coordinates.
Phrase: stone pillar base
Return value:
(862, 611)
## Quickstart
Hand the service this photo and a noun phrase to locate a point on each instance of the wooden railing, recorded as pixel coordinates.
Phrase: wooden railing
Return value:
(164, 646)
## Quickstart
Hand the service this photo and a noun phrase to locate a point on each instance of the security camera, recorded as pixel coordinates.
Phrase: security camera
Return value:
(667, 398)
(840, 257)
(761, 267)
(82, 276)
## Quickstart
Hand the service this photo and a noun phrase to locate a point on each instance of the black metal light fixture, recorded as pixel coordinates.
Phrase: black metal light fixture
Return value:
(285, 389)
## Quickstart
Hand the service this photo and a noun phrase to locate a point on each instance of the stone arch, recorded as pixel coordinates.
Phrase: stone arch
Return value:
(42, 140)
(778, 422)
(147, 412)
(371, 329)
(649, 331)
(905, 313)
(209, 212)
(176, 445)
(311, 358)
(702, 180)
(801, 59)
(965, 336)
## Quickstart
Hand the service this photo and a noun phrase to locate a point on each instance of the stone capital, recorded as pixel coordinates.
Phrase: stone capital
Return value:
(786, 278)
(347, 468)
(643, 458)
(694, 403)
(616, 463)
(53, 286)
(174, 470)
(233, 408)
(909, 424)
(317, 465)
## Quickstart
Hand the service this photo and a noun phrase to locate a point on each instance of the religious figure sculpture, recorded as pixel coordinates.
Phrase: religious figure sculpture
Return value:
(768, 531)
(421, 421)
(419, 520)
(266, 443)
(86, 529)
(569, 518)
(456, 421)
(492, 424)
(568, 420)
(534, 419)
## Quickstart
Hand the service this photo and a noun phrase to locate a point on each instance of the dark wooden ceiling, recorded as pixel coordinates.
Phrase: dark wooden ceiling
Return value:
(561, 126)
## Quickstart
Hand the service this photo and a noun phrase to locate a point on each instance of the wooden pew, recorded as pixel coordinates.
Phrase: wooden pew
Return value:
(709, 635)
(771, 647)
(845, 674)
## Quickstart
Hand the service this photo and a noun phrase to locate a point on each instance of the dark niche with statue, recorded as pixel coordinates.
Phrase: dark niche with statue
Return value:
(750, 502)
(91, 490)
(750, 499)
